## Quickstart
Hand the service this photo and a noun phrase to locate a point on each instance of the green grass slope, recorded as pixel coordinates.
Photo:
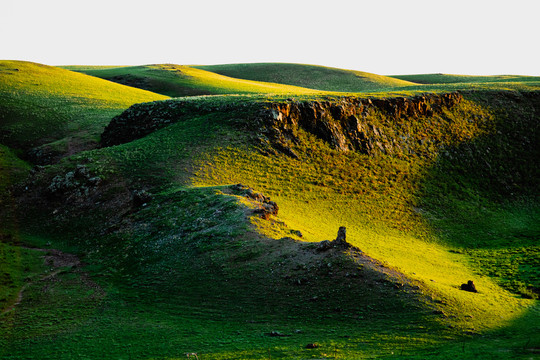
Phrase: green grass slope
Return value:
(179, 80)
(222, 288)
(309, 76)
(178, 262)
(47, 105)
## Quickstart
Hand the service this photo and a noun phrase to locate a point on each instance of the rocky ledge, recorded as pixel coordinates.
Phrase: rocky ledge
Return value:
(354, 124)
(367, 125)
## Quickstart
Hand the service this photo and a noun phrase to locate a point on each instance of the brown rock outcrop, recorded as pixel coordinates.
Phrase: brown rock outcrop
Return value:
(343, 122)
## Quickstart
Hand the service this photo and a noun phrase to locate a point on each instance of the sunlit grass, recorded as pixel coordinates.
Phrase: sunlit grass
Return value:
(309, 76)
(294, 79)
(318, 215)
(374, 198)
(179, 80)
(40, 103)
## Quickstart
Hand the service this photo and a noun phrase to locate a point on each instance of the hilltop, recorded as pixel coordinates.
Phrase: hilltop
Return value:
(307, 225)
(178, 80)
(310, 76)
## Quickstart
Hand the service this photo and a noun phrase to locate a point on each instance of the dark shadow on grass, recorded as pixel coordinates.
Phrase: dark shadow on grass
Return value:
(490, 180)
(482, 197)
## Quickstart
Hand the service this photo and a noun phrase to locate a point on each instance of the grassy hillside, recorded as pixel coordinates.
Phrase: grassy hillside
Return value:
(309, 76)
(178, 80)
(151, 248)
(171, 244)
(47, 105)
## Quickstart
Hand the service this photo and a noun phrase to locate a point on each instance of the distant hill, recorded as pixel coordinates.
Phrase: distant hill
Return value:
(453, 79)
(309, 76)
(180, 80)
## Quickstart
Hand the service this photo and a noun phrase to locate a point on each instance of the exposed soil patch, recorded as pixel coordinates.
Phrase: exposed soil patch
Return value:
(59, 262)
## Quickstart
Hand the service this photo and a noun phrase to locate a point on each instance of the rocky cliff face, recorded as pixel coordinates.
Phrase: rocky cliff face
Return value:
(369, 126)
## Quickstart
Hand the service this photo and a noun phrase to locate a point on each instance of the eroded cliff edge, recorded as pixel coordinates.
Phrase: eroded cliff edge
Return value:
(369, 126)
(347, 123)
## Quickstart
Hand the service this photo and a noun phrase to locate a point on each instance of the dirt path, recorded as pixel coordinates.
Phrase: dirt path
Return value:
(57, 261)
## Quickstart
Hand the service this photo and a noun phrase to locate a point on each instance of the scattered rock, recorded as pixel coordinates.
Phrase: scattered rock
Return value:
(339, 242)
(324, 245)
(297, 233)
(266, 207)
(141, 198)
(74, 185)
(255, 196)
(239, 187)
(43, 155)
(469, 286)
(312, 346)
(276, 334)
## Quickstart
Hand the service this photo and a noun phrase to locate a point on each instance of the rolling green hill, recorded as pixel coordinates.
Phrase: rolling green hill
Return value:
(199, 225)
(178, 80)
(42, 104)
(309, 76)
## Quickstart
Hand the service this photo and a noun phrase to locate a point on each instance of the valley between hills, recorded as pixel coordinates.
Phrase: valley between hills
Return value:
(267, 211)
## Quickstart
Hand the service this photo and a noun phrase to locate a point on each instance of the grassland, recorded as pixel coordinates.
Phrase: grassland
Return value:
(47, 105)
(292, 79)
(191, 269)
(310, 76)
(178, 80)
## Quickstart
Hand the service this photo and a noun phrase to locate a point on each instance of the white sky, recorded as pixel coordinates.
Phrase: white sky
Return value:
(381, 36)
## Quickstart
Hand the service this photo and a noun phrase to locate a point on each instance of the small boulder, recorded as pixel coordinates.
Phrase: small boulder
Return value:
(271, 207)
(141, 198)
(324, 245)
(254, 195)
(297, 233)
(276, 334)
(239, 187)
(312, 346)
(469, 286)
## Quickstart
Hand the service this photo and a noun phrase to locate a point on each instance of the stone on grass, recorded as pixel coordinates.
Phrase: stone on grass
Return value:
(469, 286)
